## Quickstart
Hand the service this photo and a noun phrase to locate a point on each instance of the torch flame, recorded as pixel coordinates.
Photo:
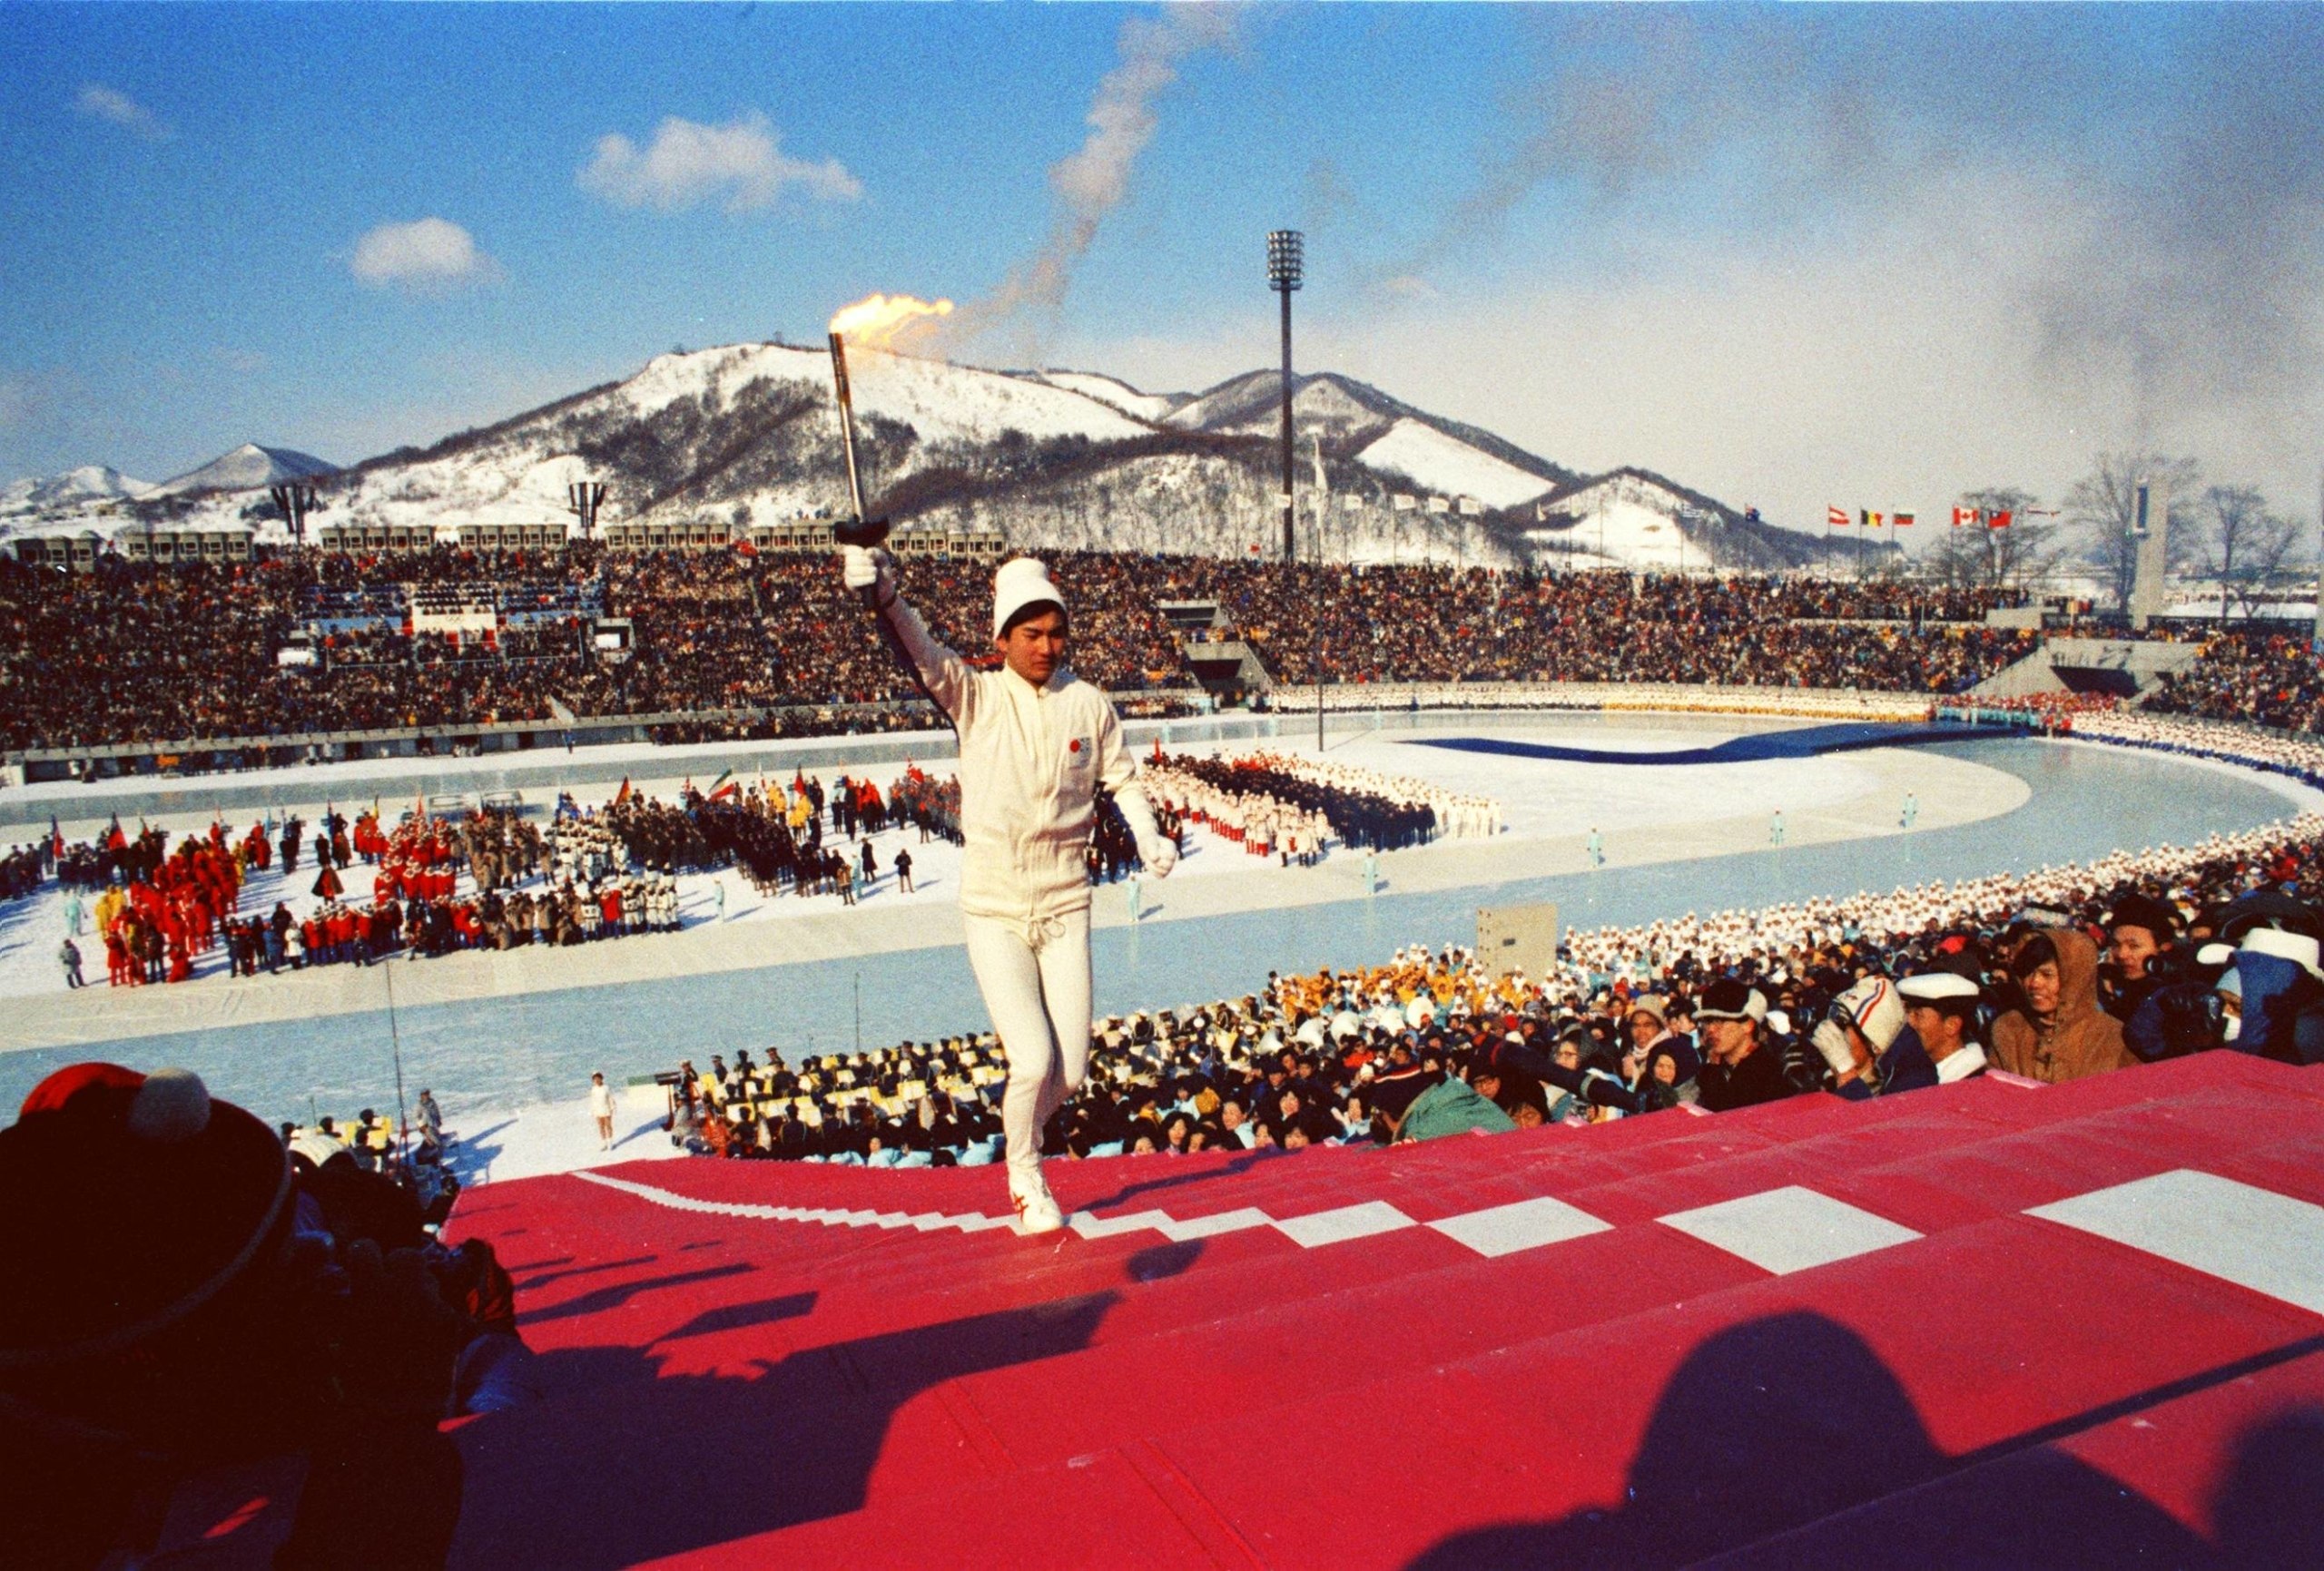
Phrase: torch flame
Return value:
(874, 320)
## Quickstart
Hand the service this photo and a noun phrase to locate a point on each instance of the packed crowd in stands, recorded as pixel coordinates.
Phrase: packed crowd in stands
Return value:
(2051, 975)
(2269, 678)
(1446, 625)
(137, 653)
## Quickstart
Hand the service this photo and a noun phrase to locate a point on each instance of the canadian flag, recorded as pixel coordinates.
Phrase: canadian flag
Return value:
(1835, 517)
(1997, 520)
(1965, 515)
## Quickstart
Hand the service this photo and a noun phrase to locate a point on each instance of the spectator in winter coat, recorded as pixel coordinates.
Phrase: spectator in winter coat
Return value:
(2058, 1032)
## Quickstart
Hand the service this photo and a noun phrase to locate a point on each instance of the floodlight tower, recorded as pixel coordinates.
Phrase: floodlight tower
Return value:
(1286, 257)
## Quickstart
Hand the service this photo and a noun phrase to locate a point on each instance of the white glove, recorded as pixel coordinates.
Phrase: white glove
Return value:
(862, 565)
(1831, 1039)
(1159, 857)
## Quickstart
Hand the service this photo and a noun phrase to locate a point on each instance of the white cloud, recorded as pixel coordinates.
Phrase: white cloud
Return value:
(687, 165)
(428, 255)
(98, 101)
(1895, 362)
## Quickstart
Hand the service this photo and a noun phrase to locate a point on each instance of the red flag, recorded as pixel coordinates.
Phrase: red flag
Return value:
(622, 795)
(1966, 515)
(1835, 517)
(1900, 520)
(722, 792)
(1997, 520)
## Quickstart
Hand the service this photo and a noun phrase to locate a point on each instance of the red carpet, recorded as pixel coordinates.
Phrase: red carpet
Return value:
(1814, 1334)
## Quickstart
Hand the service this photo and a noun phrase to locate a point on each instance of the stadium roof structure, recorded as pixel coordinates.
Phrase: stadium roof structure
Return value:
(1986, 1323)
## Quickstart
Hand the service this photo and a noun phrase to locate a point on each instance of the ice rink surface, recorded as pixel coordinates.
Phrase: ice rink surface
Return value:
(494, 1033)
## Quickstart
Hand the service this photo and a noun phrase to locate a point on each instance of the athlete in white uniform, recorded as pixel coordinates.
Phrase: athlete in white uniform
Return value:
(1035, 742)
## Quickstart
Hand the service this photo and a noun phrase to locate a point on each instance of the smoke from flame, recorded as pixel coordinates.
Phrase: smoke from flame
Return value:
(874, 320)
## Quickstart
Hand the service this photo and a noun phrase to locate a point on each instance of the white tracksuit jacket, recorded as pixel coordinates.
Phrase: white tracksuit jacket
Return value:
(1030, 758)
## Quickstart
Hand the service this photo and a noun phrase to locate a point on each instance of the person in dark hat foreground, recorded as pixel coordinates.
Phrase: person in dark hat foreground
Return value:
(176, 1299)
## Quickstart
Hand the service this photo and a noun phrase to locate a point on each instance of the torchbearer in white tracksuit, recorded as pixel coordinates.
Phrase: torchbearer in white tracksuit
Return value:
(1035, 743)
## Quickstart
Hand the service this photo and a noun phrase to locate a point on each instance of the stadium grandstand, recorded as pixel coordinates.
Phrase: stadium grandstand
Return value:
(1861, 1187)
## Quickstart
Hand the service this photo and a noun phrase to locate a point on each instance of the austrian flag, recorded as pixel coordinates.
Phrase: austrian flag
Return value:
(1835, 517)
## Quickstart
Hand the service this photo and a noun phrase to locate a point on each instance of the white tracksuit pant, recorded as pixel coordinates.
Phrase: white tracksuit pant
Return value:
(1035, 977)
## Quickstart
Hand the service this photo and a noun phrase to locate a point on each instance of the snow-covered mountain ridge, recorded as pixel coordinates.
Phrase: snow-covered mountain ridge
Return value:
(749, 434)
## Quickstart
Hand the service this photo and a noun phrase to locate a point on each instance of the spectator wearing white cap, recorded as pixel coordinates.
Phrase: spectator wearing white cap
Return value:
(1940, 1009)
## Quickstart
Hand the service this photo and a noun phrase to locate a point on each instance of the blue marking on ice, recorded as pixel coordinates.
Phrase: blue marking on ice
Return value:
(1806, 742)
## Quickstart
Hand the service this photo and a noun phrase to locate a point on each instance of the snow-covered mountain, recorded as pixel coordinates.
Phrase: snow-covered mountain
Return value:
(1635, 518)
(1113, 392)
(748, 434)
(246, 468)
(89, 486)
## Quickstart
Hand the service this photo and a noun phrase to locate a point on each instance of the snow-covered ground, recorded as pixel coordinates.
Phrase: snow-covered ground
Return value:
(551, 1136)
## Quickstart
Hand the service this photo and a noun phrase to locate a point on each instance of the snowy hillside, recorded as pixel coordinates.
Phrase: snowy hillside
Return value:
(1447, 465)
(1634, 518)
(1111, 390)
(748, 434)
(87, 486)
(246, 468)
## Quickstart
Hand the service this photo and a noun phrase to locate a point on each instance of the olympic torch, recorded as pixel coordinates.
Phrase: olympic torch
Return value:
(856, 529)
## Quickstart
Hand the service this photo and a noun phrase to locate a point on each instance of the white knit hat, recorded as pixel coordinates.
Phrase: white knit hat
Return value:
(1021, 582)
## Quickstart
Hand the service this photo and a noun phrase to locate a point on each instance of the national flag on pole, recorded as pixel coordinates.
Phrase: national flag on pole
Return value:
(1962, 515)
(1900, 520)
(1870, 519)
(622, 795)
(1997, 520)
(724, 786)
(1836, 518)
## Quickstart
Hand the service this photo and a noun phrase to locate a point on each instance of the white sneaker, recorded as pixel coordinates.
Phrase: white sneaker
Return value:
(1036, 1209)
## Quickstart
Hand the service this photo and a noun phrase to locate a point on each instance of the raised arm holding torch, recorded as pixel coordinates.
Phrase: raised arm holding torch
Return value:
(1036, 743)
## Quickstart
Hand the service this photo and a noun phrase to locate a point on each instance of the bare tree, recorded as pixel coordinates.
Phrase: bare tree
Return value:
(2014, 557)
(2244, 545)
(2103, 505)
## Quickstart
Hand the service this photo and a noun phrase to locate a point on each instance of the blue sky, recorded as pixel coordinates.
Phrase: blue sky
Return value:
(1779, 253)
